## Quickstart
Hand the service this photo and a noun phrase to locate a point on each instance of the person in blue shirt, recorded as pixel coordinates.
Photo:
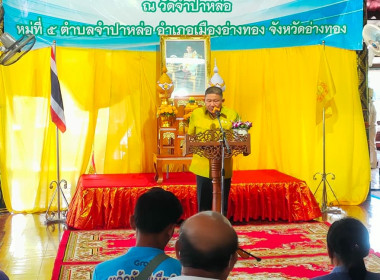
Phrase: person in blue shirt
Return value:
(156, 214)
(347, 246)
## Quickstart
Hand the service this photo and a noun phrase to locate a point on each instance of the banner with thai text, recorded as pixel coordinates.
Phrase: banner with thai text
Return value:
(231, 24)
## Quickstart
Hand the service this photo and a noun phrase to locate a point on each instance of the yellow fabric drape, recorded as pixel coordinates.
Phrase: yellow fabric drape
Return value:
(110, 104)
(276, 90)
(112, 88)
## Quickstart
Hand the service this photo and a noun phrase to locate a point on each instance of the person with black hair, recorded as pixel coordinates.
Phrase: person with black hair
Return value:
(347, 246)
(206, 247)
(202, 119)
(156, 214)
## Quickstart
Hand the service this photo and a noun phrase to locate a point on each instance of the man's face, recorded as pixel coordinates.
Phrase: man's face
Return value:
(189, 49)
(213, 100)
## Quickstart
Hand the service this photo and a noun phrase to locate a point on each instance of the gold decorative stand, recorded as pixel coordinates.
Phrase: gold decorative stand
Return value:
(58, 216)
(170, 129)
(324, 181)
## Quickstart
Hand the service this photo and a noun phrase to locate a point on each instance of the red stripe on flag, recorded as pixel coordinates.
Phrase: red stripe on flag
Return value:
(58, 122)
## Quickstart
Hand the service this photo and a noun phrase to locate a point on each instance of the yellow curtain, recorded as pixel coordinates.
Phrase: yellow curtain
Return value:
(115, 89)
(276, 89)
(110, 104)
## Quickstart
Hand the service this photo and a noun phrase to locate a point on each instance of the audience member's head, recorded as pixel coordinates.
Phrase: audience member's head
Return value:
(157, 212)
(156, 209)
(348, 244)
(207, 246)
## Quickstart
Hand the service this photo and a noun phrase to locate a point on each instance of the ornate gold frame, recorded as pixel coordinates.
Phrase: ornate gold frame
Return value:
(189, 68)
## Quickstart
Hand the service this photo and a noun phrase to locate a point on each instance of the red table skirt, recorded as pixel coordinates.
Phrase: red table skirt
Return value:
(107, 201)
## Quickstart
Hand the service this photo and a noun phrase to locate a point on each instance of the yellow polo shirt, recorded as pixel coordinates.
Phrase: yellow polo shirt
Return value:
(200, 121)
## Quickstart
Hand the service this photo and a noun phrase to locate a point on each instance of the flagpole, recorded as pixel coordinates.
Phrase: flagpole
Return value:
(50, 217)
(324, 181)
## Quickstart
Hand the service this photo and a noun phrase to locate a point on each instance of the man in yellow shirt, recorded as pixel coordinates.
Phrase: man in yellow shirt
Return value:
(203, 119)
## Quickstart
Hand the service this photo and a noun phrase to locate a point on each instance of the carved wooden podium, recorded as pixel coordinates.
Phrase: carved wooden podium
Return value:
(210, 144)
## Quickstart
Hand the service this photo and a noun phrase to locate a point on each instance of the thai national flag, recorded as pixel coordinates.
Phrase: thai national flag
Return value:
(56, 104)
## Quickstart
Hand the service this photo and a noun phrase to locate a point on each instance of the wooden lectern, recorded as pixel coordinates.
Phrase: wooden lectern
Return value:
(209, 144)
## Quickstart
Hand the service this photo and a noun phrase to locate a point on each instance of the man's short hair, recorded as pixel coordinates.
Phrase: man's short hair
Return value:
(214, 260)
(156, 209)
(214, 90)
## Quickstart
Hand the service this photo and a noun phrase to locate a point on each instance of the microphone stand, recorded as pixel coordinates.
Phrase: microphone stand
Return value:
(245, 255)
(224, 143)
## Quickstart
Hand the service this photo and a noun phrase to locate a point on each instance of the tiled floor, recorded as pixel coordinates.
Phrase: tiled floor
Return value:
(28, 247)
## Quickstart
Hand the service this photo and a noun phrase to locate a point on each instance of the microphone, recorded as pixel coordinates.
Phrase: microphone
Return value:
(245, 255)
(216, 111)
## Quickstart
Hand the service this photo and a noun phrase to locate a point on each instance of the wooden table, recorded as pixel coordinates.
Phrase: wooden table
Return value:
(161, 160)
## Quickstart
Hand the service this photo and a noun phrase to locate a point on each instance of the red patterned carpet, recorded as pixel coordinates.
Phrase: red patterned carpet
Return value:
(288, 251)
